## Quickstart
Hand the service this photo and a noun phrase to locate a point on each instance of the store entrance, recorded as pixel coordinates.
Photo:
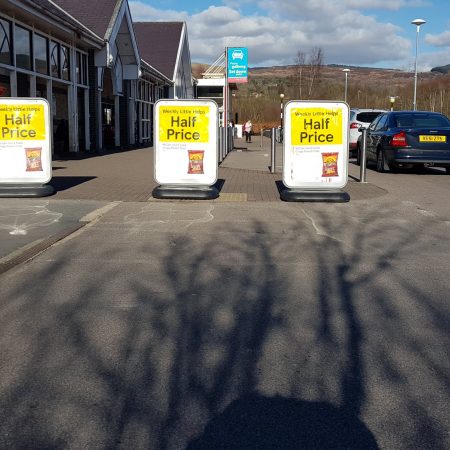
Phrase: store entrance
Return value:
(108, 124)
(108, 111)
(60, 111)
(81, 121)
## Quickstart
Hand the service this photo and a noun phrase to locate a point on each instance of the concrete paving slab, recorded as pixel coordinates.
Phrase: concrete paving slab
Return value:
(26, 222)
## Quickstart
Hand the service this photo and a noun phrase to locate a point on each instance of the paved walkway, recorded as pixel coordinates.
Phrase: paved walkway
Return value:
(244, 175)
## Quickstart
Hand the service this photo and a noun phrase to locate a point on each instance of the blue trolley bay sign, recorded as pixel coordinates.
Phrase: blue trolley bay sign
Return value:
(237, 70)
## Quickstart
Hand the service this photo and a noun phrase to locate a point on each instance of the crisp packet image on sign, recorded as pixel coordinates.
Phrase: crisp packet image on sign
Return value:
(195, 161)
(34, 159)
(330, 164)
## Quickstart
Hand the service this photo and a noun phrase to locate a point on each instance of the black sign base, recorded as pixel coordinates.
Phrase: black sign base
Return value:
(186, 192)
(293, 195)
(17, 190)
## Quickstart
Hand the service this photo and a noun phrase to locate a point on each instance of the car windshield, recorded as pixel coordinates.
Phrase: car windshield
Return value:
(367, 117)
(421, 121)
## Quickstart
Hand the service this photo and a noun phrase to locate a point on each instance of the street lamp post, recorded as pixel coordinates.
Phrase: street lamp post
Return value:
(346, 71)
(281, 117)
(417, 23)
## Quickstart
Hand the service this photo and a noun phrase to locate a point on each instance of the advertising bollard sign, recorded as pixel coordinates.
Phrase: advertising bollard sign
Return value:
(316, 145)
(186, 142)
(25, 150)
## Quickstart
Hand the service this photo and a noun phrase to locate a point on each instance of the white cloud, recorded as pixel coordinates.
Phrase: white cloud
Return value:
(429, 60)
(142, 12)
(439, 40)
(342, 31)
(391, 5)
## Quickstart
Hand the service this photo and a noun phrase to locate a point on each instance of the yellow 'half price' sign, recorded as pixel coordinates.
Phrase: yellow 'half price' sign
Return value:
(316, 126)
(24, 122)
(184, 124)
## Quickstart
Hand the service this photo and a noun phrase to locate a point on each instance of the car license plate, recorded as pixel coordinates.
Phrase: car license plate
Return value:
(429, 138)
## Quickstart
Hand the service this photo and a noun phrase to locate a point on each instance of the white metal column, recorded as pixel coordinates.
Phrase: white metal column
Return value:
(117, 120)
(132, 112)
(32, 85)
(100, 120)
(13, 83)
(87, 114)
(73, 104)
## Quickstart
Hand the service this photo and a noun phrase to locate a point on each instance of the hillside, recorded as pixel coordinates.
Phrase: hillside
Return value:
(441, 69)
(368, 77)
(365, 76)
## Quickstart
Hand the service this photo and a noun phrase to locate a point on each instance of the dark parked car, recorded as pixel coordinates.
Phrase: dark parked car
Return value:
(404, 139)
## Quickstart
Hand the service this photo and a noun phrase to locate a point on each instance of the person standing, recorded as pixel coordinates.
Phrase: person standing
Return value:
(248, 130)
(231, 134)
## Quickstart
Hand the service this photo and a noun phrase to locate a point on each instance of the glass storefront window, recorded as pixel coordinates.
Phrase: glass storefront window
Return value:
(4, 86)
(152, 93)
(65, 63)
(54, 59)
(5, 42)
(81, 68)
(23, 85)
(146, 91)
(22, 39)
(41, 54)
(85, 69)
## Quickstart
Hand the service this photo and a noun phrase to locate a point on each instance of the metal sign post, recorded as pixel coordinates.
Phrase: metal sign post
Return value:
(225, 100)
(236, 71)
(362, 156)
(272, 149)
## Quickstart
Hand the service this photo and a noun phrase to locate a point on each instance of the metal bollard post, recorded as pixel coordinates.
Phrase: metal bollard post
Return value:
(224, 142)
(362, 156)
(219, 149)
(273, 137)
(230, 139)
(262, 132)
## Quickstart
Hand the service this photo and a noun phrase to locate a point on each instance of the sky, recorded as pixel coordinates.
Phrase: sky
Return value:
(369, 33)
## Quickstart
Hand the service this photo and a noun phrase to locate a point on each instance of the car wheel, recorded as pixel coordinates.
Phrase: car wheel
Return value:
(358, 156)
(381, 161)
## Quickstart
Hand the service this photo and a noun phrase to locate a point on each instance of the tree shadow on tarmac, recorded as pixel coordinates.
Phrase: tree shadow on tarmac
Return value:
(250, 335)
(61, 183)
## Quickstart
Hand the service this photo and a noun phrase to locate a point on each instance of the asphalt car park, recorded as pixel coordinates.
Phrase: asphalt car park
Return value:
(227, 309)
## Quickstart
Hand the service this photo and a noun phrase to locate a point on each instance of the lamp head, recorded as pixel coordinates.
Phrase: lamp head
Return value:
(281, 96)
(418, 22)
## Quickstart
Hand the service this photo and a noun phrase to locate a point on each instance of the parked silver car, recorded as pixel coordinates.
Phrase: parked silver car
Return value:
(360, 118)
